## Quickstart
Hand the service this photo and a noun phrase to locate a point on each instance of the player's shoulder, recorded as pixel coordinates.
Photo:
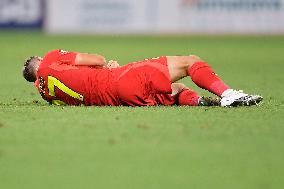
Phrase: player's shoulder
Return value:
(57, 52)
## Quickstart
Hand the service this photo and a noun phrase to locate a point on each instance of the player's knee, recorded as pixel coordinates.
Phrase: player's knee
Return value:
(187, 61)
(194, 57)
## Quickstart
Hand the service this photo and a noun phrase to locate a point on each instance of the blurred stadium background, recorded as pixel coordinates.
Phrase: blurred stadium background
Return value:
(44, 146)
(145, 16)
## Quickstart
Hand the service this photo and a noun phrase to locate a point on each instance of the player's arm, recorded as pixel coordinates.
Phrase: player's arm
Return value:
(84, 59)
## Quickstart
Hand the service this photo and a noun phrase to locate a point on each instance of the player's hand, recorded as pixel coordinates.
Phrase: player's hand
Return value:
(112, 64)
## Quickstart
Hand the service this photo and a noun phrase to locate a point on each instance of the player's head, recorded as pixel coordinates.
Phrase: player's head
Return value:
(30, 68)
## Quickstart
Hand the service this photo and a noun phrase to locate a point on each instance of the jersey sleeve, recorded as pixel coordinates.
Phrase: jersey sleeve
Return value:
(67, 57)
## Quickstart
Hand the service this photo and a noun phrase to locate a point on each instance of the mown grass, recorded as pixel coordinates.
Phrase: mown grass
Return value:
(43, 146)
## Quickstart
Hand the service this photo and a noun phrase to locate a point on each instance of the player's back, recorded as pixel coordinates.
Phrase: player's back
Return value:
(75, 86)
(60, 82)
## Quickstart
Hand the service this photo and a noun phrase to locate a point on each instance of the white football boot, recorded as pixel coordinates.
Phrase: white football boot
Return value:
(232, 97)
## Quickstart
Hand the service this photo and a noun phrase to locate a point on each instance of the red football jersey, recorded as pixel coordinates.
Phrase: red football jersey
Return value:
(59, 81)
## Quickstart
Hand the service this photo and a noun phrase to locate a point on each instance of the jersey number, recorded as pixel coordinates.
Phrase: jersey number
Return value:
(52, 82)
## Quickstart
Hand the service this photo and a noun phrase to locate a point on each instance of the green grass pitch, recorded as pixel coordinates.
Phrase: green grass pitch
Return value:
(43, 146)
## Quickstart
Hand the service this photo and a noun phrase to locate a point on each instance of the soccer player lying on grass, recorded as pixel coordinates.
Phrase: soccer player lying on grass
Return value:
(74, 78)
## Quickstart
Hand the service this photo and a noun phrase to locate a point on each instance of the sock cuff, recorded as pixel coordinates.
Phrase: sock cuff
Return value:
(196, 66)
(188, 97)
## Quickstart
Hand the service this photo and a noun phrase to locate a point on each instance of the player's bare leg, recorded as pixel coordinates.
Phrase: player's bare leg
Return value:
(178, 66)
(203, 76)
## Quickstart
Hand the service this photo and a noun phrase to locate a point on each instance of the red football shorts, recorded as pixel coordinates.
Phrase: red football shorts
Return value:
(144, 83)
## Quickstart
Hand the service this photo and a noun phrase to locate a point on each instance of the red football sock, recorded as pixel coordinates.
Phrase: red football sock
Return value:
(203, 76)
(188, 97)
